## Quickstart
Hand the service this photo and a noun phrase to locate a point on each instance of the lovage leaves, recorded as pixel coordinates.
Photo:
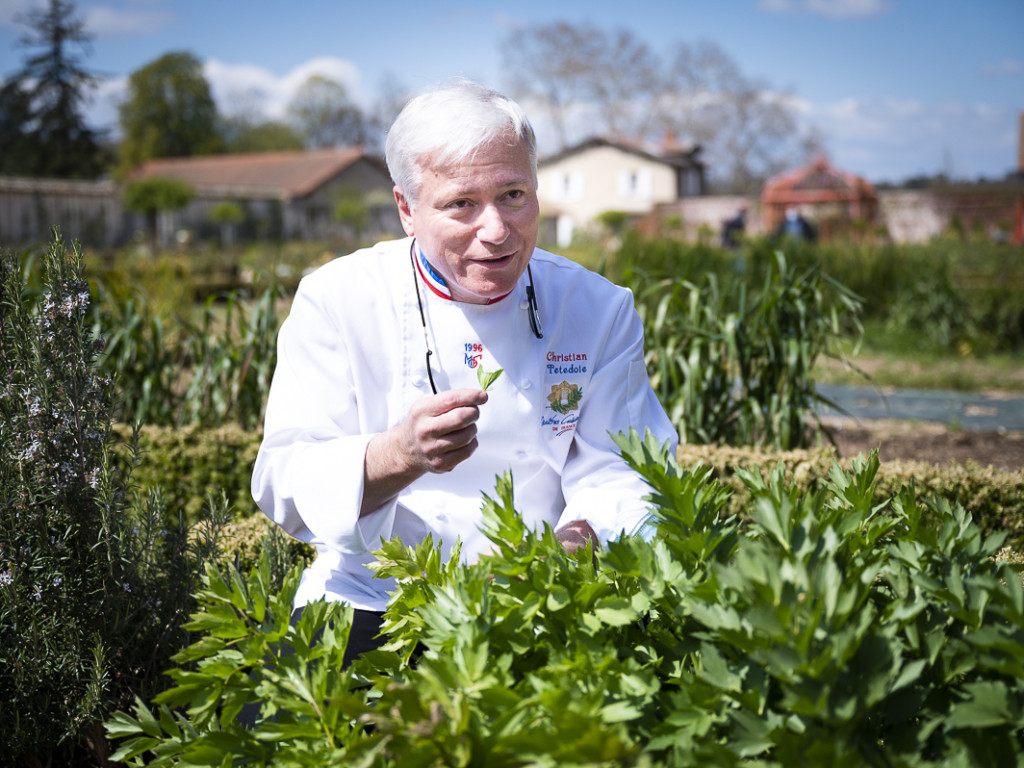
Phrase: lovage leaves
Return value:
(486, 378)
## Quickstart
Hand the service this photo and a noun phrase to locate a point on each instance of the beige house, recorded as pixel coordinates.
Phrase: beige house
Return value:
(578, 184)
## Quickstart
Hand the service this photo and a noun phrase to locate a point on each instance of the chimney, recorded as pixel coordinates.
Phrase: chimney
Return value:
(1020, 147)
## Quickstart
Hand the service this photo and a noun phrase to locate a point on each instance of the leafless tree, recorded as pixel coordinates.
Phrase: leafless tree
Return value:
(588, 81)
(551, 65)
(748, 129)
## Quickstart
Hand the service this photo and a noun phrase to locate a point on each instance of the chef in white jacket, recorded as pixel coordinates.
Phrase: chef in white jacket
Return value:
(376, 423)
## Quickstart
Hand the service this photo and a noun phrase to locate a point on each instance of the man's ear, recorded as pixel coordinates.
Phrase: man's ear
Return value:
(404, 212)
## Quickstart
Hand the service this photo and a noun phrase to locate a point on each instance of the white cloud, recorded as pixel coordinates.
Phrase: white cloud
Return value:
(777, 6)
(1003, 68)
(851, 119)
(834, 9)
(904, 108)
(890, 139)
(269, 94)
(101, 108)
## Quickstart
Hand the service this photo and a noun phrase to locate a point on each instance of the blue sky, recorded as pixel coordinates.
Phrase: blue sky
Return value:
(895, 87)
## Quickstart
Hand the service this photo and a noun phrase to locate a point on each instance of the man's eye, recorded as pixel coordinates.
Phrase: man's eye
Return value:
(515, 194)
(459, 204)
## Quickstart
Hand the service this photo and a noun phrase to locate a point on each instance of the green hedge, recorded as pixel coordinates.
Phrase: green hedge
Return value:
(190, 463)
(993, 497)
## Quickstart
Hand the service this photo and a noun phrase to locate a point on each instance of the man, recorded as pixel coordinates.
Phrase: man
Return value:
(795, 226)
(733, 229)
(376, 424)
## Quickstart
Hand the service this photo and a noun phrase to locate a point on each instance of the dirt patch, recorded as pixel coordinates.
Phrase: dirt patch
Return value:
(928, 442)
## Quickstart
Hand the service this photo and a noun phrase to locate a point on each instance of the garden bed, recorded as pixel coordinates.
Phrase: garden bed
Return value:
(929, 442)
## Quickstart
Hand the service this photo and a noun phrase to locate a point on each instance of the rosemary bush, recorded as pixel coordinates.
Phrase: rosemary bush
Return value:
(825, 629)
(94, 587)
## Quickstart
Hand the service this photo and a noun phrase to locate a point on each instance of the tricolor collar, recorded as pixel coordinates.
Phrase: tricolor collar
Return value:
(433, 280)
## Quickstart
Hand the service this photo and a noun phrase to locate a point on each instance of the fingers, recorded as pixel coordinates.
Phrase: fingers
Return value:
(441, 429)
(451, 400)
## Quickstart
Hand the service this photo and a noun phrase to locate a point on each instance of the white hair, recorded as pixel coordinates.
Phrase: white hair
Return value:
(450, 123)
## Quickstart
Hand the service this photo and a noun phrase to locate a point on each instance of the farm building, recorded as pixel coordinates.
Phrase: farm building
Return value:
(284, 195)
(836, 202)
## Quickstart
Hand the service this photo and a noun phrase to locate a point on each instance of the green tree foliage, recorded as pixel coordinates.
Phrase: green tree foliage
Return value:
(351, 208)
(42, 129)
(613, 221)
(267, 136)
(326, 115)
(821, 629)
(168, 111)
(17, 147)
(227, 214)
(155, 194)
(94, 585)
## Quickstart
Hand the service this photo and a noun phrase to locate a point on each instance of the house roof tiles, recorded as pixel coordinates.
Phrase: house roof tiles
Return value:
(284, 175)
(669, 153)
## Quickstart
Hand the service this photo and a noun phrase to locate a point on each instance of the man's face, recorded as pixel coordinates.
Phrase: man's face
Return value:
(477, 222)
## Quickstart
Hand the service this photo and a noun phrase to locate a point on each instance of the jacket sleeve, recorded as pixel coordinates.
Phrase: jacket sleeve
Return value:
(308, 476)
(597, 484)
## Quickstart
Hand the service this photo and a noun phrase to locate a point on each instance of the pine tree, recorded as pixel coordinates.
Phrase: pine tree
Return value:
(47, 135)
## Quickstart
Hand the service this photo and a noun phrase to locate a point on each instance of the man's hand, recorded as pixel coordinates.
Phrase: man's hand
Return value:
(575, 535)
(436, 435)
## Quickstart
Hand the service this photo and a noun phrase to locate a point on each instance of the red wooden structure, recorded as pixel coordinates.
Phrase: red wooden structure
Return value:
(835, 201)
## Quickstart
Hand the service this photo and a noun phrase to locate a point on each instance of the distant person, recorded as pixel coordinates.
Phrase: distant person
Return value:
(795, 226)
(733, 229)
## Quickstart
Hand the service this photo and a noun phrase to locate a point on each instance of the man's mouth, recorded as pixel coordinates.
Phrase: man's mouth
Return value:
(495, 260)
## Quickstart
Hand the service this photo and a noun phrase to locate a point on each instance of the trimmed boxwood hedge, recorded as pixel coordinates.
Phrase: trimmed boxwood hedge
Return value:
(190, 463)
(994, 497)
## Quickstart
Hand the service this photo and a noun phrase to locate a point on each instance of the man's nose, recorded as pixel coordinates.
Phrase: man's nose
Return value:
(492, 227)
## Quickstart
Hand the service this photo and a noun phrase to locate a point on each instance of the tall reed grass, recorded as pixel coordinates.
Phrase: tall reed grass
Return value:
(733, 364)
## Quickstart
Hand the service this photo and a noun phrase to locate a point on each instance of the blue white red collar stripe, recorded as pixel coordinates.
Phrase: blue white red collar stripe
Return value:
(435, 282)
(431, 278)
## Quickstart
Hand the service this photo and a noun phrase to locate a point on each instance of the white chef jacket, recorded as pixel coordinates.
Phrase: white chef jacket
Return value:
(351, 361)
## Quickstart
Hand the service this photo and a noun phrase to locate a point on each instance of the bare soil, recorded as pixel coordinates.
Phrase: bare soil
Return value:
(928, 442)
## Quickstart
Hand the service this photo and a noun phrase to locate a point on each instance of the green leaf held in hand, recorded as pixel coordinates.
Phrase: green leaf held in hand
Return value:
(485, 378)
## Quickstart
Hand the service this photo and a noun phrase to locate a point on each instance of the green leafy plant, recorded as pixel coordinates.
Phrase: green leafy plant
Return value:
(227, 214)
(825, 628)
(735, 365)
(486, 378)
(94, 582)
(151, 196)
(210, 371)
